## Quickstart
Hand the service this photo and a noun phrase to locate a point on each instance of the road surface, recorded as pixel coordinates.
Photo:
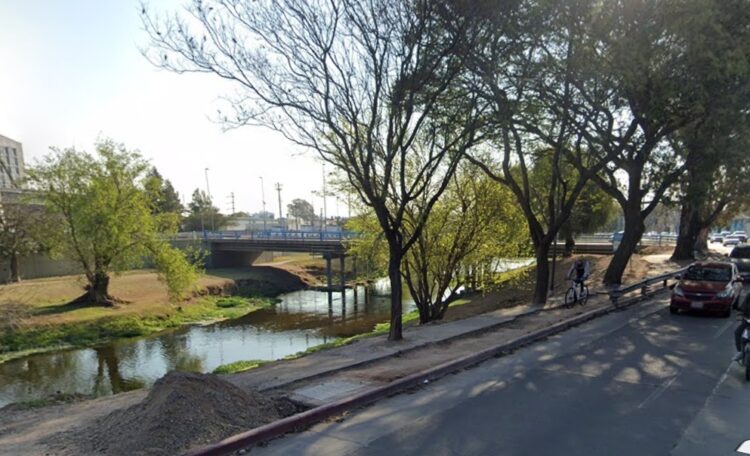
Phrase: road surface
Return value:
(636, 382)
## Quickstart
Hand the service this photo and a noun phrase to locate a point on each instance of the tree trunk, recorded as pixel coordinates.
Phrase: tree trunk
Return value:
(15, 275)
(97, 291)
(701, 245)
(394, 274)
(690, 227)
(634, 229)
(541, 252)
(570, 243)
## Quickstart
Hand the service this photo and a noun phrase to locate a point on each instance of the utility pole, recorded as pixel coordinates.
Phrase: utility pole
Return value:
(312, 204)
(263, 199)
(210, 201)
(325, 206)
(278, 190)
(231, 197)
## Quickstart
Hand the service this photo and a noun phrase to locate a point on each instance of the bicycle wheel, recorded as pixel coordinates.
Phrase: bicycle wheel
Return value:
(570, 297)
(584, 295)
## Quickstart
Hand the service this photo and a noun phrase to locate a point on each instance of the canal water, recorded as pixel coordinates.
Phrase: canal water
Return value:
(301, 320)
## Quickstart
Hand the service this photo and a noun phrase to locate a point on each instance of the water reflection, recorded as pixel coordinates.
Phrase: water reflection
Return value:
(301, 320)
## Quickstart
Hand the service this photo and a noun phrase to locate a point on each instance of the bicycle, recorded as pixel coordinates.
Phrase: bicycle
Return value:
(573, 297)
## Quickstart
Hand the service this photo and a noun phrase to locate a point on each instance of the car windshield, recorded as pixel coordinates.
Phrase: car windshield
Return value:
(740, 253)
(711, 274)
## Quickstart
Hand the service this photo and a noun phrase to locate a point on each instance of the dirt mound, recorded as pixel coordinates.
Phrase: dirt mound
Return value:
(181, 411)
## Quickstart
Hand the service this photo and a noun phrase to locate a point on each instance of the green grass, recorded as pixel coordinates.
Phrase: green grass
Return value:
(20, 342)
(239, 366)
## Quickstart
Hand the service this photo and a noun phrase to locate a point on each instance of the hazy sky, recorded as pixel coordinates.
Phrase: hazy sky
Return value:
(71, 71)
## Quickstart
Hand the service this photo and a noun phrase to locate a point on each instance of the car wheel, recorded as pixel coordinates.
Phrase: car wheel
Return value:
(673, 310)
(727, 313)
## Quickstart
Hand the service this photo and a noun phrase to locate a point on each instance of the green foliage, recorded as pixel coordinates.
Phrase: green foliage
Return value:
(163, 198)
(106, 220)
(175, 270)
(231, 301)
(475, 222)
(202, 214)
(300, 209)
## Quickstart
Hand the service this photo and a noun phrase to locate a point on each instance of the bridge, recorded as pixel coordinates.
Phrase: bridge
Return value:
(241, 248)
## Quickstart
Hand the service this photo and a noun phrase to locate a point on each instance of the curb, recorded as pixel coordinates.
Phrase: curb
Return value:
(309, 417)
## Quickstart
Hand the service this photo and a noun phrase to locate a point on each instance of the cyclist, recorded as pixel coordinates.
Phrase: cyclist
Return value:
(579, 272)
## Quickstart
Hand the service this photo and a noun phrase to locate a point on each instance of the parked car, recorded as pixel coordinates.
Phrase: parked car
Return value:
(740, 256)
(741, 234)
(732, 240)
(716, 237)
(707, 286)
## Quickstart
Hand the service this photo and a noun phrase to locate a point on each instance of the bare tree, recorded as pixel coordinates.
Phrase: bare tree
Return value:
(375, 87)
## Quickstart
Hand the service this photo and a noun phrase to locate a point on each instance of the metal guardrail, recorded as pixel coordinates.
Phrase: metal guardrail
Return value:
(646, 239)
(643, 285)
(274, 235)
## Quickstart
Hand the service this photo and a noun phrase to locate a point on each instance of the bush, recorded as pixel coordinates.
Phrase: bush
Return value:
(231, 301)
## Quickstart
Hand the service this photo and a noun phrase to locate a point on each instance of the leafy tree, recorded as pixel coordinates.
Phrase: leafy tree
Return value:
(473, 224)
(202, 214)
(592, 209)
(22, 228)
(715, 146)
(106, 224)
(531, 81)
(644, 86)
(373, 87)
(162, 196)
(301, 210)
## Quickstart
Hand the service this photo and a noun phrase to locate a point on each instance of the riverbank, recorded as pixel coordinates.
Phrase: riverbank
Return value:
(369, 363)
(37, 318)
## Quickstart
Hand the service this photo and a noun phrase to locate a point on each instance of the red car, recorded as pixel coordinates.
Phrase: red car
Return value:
(707, 286)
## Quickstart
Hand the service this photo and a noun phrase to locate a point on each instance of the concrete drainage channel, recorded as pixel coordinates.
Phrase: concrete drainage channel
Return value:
(309, 417)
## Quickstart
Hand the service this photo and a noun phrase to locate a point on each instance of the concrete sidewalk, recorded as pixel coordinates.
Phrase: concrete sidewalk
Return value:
(325, 362)
(283, 373)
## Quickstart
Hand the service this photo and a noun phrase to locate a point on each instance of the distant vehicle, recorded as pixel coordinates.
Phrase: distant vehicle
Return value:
(709, 287)
(740, 256)
(716, 237)
(741, 234)
(726, 233)
(732, 240)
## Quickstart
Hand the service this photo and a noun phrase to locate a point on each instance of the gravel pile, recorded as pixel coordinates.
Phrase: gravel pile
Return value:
(182, 410)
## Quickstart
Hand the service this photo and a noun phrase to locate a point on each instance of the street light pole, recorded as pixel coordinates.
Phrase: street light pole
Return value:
(263, 200)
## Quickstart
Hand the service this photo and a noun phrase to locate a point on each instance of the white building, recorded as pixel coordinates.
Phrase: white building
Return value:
(11, 163)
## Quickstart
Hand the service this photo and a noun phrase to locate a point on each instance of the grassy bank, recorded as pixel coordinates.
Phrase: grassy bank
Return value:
(34, 316)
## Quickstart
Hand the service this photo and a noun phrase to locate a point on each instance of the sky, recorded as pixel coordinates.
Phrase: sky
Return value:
(71, 71)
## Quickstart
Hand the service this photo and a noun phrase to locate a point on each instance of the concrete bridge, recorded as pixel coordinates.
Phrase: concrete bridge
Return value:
(229, 249)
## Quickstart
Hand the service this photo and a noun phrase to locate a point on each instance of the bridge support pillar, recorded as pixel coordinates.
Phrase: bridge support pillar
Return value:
(329, 274)
(342, 264)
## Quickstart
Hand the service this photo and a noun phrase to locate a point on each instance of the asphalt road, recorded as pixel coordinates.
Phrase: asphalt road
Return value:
(636, 382)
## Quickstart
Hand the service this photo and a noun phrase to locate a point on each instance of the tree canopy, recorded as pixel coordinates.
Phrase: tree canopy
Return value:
(106, 219)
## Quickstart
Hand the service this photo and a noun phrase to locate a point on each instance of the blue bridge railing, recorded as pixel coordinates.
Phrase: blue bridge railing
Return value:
(275, 235)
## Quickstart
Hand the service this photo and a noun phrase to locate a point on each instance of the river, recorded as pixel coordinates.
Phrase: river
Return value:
(301, 320)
